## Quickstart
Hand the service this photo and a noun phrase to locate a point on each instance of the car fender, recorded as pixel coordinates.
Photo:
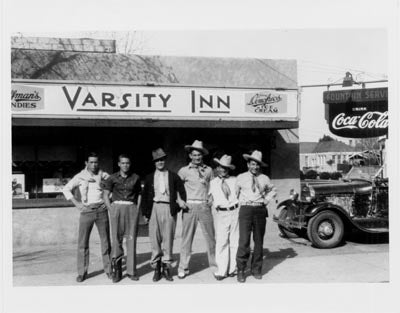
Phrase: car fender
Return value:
(285, 203)
(327, 206)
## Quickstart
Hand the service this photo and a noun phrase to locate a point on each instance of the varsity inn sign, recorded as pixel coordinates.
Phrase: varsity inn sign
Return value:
(74, 100)
(357, 113)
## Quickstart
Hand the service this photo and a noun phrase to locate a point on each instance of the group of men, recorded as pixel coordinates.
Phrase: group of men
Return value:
(237, 206)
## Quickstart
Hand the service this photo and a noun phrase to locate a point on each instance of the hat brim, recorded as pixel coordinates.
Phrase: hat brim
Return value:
(189, 148)
(232, 167)
(248, 157)
(160, 157)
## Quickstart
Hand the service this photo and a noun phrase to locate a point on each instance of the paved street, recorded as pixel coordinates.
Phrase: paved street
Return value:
(360, 259)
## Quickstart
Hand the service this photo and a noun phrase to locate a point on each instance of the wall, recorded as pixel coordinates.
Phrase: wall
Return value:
(285, 170)
(52, 226)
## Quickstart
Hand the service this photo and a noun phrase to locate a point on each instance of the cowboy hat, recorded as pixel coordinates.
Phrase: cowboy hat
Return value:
(158, 154)
(197, 145)
(225, 161)
(255, 156)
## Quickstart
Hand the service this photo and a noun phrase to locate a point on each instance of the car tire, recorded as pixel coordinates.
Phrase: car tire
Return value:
(284, 232)
(325, 230)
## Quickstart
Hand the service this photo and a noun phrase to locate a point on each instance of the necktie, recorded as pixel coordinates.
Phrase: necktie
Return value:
(201, 175)
(225, 188)
(255, 185)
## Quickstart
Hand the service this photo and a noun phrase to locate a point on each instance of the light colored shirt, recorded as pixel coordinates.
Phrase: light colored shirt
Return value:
(90, 186)
(244, 188)
(218, 195)
(161, 187)
(196, 184)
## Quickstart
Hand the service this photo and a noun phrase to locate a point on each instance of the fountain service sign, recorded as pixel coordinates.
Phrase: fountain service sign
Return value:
(357, 113)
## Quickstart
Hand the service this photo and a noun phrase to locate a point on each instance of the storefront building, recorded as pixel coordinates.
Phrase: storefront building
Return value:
(73, 96)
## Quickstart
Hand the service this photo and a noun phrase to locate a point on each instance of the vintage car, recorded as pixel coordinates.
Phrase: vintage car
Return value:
(327, 209)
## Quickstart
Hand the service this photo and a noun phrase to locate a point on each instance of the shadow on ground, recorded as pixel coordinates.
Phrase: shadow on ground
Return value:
(272, 259)
(367, 238)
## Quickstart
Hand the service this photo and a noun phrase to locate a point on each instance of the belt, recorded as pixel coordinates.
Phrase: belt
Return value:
(231, 208)
(251, 203)
(166, 202)
(122, 202)
(196, 201)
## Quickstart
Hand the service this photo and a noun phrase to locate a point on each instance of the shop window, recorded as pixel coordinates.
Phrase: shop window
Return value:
(43, 171)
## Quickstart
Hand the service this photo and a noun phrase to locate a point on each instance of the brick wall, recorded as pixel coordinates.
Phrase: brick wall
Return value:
(64, 44)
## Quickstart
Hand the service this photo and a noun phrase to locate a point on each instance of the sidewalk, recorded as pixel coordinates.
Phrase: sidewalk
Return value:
(284, 262)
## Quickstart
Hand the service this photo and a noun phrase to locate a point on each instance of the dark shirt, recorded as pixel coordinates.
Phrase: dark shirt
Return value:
(123, 188)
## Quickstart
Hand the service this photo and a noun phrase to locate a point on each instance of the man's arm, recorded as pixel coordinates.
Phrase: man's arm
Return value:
(271, 192)
(106, 198)
(181, 192)
(67, 191)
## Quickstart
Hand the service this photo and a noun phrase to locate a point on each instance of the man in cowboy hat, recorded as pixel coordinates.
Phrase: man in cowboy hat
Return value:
(255, 191)
(225, 202)
(125, 188)
(163, 194)
(196, 177)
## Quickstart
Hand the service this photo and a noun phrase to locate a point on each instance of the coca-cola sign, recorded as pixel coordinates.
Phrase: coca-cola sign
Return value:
(357, 113)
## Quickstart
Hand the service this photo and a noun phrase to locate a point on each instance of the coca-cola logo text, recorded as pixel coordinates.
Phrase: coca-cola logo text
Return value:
(369, 120)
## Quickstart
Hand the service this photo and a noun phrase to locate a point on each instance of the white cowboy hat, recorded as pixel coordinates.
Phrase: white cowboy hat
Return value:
(158, 154)
(225, 161)
(197, 145)
(255, 156)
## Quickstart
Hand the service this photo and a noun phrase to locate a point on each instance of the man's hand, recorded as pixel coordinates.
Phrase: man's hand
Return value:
(266, 201)
(80, 206)
(182, 204)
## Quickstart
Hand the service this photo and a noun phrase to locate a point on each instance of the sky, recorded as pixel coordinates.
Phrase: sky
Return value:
(323, 56)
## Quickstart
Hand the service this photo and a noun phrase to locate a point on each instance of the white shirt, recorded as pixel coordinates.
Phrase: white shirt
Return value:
(218, 195)
(161, 178)
(245, 192)
(89, 186)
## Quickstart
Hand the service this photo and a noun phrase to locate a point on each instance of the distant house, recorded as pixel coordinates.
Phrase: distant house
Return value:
(324, 156)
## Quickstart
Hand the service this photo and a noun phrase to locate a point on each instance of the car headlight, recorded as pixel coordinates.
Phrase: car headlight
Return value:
(308, 193)
(293, 195)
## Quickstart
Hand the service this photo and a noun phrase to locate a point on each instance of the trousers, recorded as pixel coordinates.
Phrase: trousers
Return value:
(161, 232)
(227, 239)
(252, 219)
(86, 222)
(197, 213)
(124, 224)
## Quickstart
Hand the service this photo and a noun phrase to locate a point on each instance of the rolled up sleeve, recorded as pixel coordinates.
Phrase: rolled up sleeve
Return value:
(67, 190)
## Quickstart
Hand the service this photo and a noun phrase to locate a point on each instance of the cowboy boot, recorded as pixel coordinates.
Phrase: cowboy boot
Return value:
(116, 270)
(241, 277)
(157, 272)
(166, 272)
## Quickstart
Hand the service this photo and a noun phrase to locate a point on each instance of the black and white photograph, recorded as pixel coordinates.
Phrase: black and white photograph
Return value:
(153, 163)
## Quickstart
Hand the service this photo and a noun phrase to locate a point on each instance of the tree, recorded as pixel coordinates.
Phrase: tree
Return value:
(326, 138)
(329, 162)
(367, 144)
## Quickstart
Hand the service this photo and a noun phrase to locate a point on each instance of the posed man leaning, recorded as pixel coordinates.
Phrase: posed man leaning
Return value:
(196, 177)
(163, 196)
(225, 202)
(92, 211)
(124, 214)
(255, 191)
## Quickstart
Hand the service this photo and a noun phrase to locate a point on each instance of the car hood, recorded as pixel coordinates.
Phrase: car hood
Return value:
(355, 186)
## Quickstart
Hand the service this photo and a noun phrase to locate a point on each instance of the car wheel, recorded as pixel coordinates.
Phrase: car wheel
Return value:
(284, 232)
(325, 230)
